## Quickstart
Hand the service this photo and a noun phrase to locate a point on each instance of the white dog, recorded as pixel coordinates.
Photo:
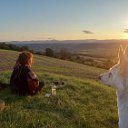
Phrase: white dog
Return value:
(117, 77)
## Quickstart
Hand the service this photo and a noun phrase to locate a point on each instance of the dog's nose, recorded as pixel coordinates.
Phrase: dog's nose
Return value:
(100, 77)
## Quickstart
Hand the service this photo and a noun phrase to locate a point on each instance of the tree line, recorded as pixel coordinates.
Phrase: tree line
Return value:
(13, 47)
(63, 54)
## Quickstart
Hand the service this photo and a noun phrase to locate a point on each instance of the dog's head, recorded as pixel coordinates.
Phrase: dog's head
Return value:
(117, 76)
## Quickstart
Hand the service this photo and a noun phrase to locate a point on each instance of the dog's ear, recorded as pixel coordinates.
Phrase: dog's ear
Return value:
(123, 60)
(126, 51)
(120, 54)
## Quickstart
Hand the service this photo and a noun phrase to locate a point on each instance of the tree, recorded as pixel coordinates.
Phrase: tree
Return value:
(49, 52)
(24, 48)
(64, 54)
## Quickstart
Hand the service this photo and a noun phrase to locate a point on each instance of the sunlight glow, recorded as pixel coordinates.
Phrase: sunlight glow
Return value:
(125, 36)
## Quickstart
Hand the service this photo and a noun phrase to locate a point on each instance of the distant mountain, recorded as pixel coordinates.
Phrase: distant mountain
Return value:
(69, 41)
(73, 45)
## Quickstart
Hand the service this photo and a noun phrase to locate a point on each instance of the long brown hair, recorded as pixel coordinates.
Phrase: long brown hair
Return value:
(25, 58)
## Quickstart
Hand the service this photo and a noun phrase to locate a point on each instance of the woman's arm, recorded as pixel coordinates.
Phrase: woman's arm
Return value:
(32, 75)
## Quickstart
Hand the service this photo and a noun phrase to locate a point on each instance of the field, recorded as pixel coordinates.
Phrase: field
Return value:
(83, 102)
(100, 55)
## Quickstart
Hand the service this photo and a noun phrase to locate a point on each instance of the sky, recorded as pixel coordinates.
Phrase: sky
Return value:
(22, 20)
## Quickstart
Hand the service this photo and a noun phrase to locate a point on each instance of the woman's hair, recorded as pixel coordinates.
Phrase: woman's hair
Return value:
(24, 58)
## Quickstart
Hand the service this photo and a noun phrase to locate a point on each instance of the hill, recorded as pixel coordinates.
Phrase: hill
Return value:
(51, 65)
(82, 102)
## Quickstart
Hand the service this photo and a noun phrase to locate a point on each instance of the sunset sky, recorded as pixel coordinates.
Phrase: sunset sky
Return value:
(63, 19)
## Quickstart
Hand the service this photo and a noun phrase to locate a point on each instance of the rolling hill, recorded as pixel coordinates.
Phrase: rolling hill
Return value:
(82, 102)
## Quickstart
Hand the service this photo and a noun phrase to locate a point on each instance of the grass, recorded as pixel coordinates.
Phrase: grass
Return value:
(82, 103)
(51, 65)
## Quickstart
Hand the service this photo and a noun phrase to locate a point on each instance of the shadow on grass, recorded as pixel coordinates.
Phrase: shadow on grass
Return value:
(3, 86)
(9, 97)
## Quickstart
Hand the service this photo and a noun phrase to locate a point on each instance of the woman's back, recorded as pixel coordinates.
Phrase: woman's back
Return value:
(18, 81)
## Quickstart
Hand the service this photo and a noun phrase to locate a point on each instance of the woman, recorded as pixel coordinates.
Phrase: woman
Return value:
(23, 80)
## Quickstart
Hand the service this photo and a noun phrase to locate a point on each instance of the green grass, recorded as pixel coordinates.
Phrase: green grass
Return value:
(82, 103)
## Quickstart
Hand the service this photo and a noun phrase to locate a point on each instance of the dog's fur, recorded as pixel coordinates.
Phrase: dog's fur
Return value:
(117, 77)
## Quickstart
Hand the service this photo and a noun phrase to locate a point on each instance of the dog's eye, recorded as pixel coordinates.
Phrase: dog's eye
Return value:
(110, 74)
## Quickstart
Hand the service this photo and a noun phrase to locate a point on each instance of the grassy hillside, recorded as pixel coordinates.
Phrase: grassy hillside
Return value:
(51, 65)
(83, 102)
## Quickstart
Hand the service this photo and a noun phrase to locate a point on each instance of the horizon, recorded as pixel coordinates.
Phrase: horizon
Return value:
(63, 20)
(68, 41)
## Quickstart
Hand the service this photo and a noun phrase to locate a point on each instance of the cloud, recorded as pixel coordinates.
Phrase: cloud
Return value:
(125, 30)
(87, 32)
